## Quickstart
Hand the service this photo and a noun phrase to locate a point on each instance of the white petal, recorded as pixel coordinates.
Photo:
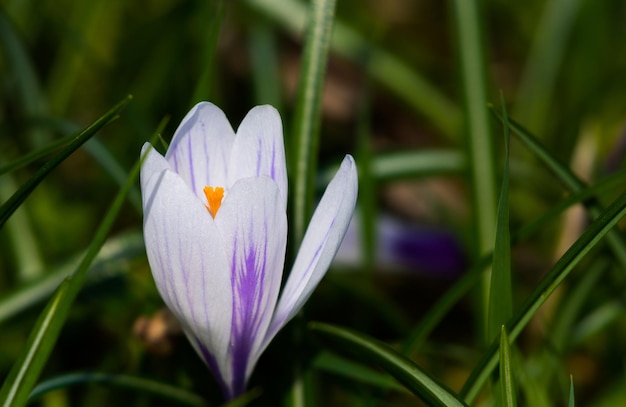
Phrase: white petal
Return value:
(259, 149)
(153, 164)
(319, 245)
(201, 146)
(189, 265)
(253, 224)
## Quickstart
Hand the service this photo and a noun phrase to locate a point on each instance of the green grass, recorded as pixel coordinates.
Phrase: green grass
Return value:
(530, 314)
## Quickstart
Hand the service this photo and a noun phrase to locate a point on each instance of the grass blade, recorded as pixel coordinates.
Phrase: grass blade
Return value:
(428, 323)
(589, 239)
(265, 66)
(540, 74)
(408, 164)
(367, 183)
(569, 179)
(35, 155)
(403, 80)
(420, 163)
(507, 387)
(113, 259)
(435, 315)
(112, 166)
(22, 377)
(478, 131)
(203, 84)
(22, 193)
(140, 384)
(562, 333)
(23, 72)
(22, 239)
(26, 370)
(404, 370)
(608, 183)
(306, 129)
(308, 115)
(339, 366)
(501, 292)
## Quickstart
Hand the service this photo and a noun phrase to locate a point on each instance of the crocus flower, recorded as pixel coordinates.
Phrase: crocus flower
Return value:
(215, 229)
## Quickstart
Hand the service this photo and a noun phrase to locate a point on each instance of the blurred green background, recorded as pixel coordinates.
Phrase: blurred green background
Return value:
(393, 85)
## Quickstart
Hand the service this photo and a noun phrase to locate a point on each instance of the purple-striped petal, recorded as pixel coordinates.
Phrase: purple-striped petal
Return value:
(189, 265)
(321, 241)
(253, 224)
(201, 146)
(221, 276)
(258, 149)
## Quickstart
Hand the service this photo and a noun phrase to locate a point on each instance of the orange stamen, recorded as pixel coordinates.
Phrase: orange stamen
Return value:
(214, 198)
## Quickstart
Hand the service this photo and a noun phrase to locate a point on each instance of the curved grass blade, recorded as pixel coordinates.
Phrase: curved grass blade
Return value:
(403, 80)
(27, 84)
(428, 323)
(562, 333)
(22, 193)
(21, 238)
(560, 170)
(158, 389)
(339, 366)
(408, 164)
(589, 239)
(307, 116)
(507, 387)
(244, 399)
(112, 166)
(113, 258)
(35, 155)
(598, 319)
(404, 370)
(20, 381)
(95, 148)
(569, 179)
(393, 166)
(608, 183)
(435, 315)
(371, 299)
(26, 370)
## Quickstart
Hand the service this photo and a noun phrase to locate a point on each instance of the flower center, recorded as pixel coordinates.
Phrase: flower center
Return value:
(214, 198)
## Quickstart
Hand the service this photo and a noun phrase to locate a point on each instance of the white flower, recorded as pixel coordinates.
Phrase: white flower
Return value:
(215, 228)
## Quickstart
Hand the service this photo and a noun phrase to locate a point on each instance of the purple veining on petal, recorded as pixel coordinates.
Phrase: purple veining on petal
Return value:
(174, 164)
(205, 150)
(185, 277)
(211, 362)
(247, 298)
(273, 166)
(184, 129)
(166, 279)
(279, 319)
(259, 153)
(318, 251)
(191, 171)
